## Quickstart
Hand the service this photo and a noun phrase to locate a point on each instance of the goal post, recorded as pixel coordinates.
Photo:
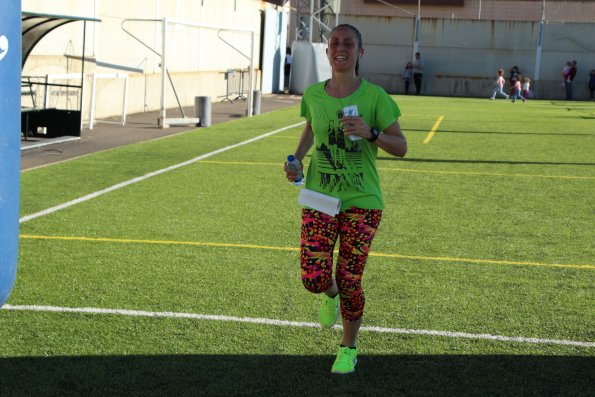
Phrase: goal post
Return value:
(164, 122)
(111, 76)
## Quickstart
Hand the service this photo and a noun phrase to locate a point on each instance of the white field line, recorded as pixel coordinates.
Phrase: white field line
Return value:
(149, 175)
(49, 142)
(285, 323)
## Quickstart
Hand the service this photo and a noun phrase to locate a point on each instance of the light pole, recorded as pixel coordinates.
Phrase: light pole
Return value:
(538, 51)
(417, 23)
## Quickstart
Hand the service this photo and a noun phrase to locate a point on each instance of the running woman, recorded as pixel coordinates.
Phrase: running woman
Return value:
(343, 165)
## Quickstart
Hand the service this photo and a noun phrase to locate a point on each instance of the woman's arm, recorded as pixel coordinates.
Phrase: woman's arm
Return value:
(305, 143)
(391, 141)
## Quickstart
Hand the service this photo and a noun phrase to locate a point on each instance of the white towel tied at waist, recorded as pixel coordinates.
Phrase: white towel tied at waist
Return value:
(320, 202)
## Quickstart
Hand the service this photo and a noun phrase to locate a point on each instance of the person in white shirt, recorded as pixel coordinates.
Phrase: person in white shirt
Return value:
(498, 85)
(287, 69)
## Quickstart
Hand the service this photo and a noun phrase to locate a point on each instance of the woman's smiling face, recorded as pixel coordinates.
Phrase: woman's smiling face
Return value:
(343, 49)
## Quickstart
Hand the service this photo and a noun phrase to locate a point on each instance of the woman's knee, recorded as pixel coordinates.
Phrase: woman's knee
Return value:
(316, 286)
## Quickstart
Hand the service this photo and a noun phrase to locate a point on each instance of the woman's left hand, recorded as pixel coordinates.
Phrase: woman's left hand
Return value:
(355, 125)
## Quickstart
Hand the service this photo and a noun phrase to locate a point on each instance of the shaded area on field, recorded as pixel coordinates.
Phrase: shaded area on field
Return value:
(536, 134)
(457, 161)
(297, 375)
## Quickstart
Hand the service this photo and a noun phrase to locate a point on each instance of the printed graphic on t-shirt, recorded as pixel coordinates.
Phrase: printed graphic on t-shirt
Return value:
(339, 160)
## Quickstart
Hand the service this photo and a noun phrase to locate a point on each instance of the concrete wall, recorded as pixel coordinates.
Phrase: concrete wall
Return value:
(462, 56)
(197, 58)
(500, 10)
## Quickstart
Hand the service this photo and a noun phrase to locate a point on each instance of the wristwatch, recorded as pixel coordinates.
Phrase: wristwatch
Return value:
(375, 134)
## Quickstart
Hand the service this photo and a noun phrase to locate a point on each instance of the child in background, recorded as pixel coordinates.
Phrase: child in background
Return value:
(565, 73)
(526, 92)
(515, 75)
(407, 76)
(517, 90)
(498, 85)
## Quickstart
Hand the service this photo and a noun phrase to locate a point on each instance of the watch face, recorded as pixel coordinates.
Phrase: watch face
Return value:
(375, 133)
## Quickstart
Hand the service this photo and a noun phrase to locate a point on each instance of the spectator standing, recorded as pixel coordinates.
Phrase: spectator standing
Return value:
(498, 85)
(570, 80)
(407, 76)
(287, 69)
(592, 83)
(418, 65)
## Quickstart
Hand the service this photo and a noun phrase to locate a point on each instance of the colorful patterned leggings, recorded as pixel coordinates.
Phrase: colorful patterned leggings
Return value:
(356, 228)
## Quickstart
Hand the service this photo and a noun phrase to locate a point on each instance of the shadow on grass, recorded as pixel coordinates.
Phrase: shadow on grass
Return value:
(227, 375)
(454, 161)
(537, 134)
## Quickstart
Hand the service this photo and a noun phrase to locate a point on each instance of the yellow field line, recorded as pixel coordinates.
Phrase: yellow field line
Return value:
(485, 261)
(433, 130)
(156, 242)
(280, 164)
(276, 248)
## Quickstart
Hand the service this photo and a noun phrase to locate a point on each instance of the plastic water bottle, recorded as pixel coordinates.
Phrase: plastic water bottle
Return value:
(294, 164)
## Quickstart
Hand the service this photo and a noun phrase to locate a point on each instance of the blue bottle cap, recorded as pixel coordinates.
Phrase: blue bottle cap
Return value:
(290, 158)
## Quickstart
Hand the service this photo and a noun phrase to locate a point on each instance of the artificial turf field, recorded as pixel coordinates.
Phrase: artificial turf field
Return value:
(187, 282)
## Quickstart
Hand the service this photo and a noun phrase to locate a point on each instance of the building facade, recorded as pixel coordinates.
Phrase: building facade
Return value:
(210, 46)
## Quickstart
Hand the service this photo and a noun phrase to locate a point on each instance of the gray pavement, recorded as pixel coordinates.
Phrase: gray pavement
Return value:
(37, 152)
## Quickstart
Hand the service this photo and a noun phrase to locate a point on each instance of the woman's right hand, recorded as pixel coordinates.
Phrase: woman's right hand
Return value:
(291, 174)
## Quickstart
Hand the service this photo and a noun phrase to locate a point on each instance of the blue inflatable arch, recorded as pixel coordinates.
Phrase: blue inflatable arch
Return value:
(10, 141)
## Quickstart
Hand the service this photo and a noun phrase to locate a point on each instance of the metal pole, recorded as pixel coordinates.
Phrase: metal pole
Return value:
(249, 112)
(539, 49)
(256, 104)
(92, 106)
(479, 11)
(417, 23)
(124, 105)
(83, 74)
(163, 72)
(311, 20)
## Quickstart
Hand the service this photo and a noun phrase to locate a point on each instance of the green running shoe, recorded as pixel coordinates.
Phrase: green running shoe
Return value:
(345, 361)
(329, 311)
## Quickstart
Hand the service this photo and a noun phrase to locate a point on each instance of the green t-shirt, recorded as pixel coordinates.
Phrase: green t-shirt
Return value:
(340, 167)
